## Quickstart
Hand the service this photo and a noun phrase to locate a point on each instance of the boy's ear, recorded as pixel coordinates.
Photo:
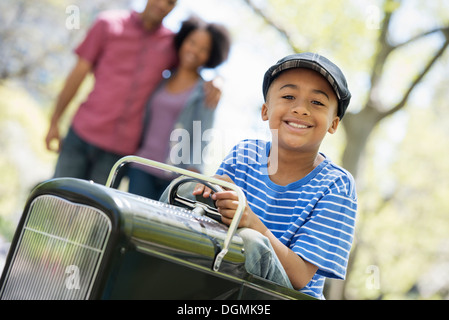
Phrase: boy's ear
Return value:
(334, 125)
(264, 112)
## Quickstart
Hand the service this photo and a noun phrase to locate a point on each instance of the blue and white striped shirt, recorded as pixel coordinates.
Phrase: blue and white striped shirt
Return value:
(314, 216)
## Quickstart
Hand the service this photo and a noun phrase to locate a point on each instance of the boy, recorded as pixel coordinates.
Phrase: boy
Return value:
(302, 203)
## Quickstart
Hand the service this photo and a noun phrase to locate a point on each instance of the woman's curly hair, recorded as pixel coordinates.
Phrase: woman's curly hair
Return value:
(221, 40)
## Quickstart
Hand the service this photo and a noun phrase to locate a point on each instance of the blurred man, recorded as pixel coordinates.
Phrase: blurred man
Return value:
(127, 53)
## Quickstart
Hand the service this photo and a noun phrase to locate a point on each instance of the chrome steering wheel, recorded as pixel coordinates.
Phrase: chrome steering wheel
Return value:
(180, 194)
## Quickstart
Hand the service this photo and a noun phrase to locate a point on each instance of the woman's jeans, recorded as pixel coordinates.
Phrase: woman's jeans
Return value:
(145, 184)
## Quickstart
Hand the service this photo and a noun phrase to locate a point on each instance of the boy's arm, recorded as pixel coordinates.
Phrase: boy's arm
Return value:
(299, 271)
(73, 82)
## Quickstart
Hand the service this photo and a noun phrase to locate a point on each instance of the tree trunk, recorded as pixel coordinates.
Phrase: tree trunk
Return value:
(358, 128)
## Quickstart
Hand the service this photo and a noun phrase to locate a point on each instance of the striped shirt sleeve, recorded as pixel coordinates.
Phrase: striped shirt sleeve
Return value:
(325, 239)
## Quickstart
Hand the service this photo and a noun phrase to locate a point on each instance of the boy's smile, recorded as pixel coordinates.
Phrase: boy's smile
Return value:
(302, 106)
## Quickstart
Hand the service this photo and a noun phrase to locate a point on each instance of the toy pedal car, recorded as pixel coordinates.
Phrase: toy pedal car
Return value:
(81, 240)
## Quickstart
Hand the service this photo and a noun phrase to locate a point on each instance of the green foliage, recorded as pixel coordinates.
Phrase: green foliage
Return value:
(23, 161)
(37, 48)
(391, 5)
(328, 27)
(405, 225)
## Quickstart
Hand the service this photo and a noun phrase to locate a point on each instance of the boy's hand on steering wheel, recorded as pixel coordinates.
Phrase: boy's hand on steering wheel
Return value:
(201, 189)
(227, 202)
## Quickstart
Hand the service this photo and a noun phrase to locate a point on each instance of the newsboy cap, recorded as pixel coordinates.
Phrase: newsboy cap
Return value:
(316, 62)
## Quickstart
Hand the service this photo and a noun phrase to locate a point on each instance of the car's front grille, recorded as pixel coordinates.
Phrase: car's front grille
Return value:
(59, 251)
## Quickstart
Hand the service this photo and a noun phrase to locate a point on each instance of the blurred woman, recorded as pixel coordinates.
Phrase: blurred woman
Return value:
(179, 103)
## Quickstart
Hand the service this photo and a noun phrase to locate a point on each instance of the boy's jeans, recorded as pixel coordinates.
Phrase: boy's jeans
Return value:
(260, 258)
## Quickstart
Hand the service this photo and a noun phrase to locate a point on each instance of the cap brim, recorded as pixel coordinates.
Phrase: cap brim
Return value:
(314, 65)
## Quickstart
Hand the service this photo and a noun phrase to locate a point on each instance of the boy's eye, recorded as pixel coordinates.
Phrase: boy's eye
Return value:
(317, 103)
(288, 97)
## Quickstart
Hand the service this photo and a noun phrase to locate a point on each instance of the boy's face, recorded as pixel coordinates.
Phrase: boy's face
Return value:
(302, 106)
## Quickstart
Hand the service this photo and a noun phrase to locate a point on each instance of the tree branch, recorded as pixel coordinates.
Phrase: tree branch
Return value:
(417, 80)
(444, 30)
(285, 33)
(383, 50)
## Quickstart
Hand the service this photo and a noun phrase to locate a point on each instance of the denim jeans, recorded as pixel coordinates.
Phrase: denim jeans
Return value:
(145, 184)
(82, 160)
(260, 258)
